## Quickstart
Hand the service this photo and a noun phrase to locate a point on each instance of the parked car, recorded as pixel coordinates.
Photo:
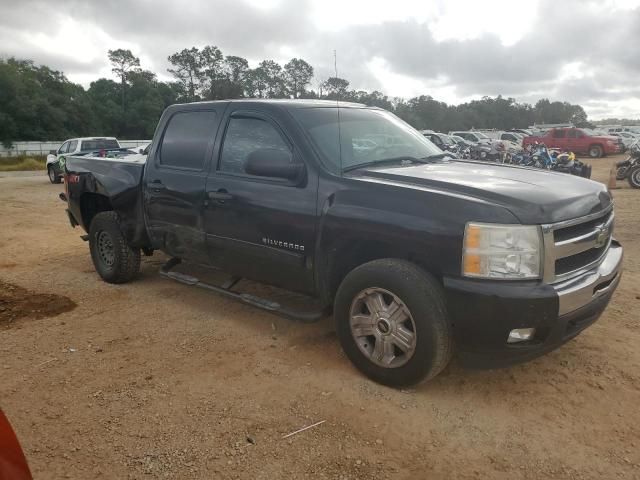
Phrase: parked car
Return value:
(440, 140)
(461, 141)
(629, 129)
(513, 137)
(75, 146)
(413, 252)
(578, 140)
(628, 138)
(472, 136)
(522, 131)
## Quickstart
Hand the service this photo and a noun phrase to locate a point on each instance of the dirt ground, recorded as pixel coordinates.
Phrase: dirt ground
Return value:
(158, 380)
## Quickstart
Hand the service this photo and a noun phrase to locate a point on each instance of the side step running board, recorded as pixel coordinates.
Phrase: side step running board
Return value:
(225, 289)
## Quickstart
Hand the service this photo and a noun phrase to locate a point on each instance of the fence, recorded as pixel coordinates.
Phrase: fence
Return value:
(42, 148)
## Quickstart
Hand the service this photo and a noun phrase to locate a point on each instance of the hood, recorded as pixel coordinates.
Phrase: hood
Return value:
(534, 196)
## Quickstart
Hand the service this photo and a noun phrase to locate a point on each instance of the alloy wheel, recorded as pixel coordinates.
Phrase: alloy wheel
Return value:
(382, 327)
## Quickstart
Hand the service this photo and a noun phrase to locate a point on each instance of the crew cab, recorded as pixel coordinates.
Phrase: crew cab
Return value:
(578, 140)
(75, 146)
(412, 251)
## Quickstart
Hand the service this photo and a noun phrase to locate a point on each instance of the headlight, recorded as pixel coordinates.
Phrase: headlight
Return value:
(501, 251)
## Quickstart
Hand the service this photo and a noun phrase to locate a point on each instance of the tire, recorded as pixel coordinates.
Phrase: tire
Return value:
(595, 151)
(53, 176)
(114, 260)
(633, 177)
(418, 297)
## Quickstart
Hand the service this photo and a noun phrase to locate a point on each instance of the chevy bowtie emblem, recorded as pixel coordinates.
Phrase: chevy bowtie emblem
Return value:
(602, 237)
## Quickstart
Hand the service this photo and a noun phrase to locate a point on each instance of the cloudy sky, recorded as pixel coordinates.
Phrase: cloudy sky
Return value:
(581, 51)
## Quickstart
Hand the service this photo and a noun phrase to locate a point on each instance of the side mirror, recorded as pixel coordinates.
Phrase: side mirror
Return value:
(53, 152)
(269, 162)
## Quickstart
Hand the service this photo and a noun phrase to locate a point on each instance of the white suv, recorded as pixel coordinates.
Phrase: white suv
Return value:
(74, 146)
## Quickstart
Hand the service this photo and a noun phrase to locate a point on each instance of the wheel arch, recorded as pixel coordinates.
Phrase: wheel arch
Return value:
(90, 205)
(350, 254)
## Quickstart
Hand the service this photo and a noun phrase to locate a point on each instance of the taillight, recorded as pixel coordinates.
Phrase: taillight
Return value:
(68, 179)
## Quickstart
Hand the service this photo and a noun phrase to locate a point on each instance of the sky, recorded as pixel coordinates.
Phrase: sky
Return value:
(580, 51)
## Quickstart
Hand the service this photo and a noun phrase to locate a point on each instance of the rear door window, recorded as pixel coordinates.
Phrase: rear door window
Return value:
(186, 139)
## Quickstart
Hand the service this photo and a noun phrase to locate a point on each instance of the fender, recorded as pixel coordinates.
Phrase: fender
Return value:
(371, 221)
(96, 185)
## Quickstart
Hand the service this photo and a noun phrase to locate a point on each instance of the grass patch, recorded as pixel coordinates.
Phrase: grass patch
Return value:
(22, 162)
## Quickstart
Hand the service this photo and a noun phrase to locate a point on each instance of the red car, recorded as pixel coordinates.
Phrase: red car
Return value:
(578, 140)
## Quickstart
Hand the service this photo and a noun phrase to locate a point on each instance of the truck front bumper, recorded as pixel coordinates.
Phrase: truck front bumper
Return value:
(485, 312)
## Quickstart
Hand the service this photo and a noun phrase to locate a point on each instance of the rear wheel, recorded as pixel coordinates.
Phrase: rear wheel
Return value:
(634, 177)
(113, 258)
(53, 176)
(595, 151)
(392, 323)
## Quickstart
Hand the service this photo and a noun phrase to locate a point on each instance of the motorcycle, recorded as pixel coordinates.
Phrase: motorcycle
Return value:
(566, 162)
(630, 168)
(539, 156)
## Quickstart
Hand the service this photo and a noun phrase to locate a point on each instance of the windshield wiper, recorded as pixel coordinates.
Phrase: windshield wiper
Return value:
(384, 161)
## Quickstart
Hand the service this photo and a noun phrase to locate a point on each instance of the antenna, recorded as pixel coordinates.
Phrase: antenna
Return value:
(335, 69)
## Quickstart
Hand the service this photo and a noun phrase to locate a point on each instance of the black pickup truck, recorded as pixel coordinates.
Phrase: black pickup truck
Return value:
(414, 252)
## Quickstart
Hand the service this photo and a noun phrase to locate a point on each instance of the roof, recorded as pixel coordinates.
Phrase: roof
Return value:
(288, 102)
(92, 138)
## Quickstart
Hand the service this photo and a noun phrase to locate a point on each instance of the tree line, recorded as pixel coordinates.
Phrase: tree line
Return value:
(39, 103)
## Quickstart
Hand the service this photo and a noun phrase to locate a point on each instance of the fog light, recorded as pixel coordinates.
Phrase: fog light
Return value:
(521, 335)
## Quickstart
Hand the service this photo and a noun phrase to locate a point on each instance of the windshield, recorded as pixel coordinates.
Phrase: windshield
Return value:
(480, 135)
(99, 144)
(367, 136)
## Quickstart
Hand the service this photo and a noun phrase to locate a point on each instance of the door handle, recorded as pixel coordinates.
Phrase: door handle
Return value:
(156, 185)
(220, 196)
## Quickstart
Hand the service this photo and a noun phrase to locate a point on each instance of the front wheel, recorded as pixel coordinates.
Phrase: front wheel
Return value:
(113, 258)
(53, 176)
(392, 322)
(634, 177)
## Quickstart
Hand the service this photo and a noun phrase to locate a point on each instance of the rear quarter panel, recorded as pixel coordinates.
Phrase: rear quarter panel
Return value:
(117, 180)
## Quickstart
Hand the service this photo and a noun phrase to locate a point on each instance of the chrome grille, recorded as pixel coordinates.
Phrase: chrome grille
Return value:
(574, 246)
